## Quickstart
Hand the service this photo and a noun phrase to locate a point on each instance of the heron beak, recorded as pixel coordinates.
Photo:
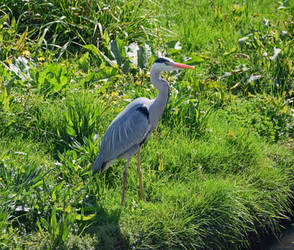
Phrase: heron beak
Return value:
(182, 66)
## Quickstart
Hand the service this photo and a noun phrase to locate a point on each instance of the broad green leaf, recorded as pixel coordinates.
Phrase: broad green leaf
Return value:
(53, 196)
(97, 52)
(59, 186)
(21, 41)
(53, 221)
(116, 52)
(4, 18)
(195, 59)
(5, 99)
(44, 223)
(106, 38)
(65, 232)
(174, 52)
(40, 228)
(84, 62)
(68, 209)
(70, 131)
(84, 218)
(93, 49)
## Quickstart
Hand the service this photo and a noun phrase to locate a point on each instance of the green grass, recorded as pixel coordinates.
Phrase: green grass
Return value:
(218, 171)
(214, 25)
(212, 29)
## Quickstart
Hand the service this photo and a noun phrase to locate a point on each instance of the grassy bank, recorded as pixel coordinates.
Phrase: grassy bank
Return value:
(218, 171)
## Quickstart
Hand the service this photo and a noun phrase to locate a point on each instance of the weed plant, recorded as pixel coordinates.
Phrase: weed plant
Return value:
(64, 26)
(218, 171)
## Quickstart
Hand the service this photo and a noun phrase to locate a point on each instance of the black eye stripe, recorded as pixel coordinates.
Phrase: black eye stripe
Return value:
(162, 60)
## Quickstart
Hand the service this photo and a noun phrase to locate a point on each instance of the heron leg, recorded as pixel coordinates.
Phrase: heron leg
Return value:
(139, 173)
(124, 182)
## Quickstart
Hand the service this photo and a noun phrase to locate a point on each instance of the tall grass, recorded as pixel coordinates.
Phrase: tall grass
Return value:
(65, 26)
(217, 25)
(216, 30)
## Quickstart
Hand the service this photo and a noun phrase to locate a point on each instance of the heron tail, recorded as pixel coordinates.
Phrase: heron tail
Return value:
(99, 165)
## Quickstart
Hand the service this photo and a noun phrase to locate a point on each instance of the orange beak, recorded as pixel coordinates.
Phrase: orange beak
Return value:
(182, 66)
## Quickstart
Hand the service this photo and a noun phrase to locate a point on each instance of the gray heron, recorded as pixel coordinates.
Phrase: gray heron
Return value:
(134, 125)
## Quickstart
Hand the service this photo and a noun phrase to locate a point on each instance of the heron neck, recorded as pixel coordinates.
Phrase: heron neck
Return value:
(160, 102)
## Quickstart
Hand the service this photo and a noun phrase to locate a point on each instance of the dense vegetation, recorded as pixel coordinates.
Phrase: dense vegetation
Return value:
(218, 171)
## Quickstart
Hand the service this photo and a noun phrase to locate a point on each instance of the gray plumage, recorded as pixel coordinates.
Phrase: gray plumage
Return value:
(134, 125)
(125, 134)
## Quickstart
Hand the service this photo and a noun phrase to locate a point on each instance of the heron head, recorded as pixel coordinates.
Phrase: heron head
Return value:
(167, 64)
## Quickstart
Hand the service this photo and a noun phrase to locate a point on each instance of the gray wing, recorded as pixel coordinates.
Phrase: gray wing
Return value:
(129, 129)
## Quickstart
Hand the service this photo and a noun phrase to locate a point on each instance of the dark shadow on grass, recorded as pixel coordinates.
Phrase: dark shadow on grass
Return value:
(271, 241)
(105, 228)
